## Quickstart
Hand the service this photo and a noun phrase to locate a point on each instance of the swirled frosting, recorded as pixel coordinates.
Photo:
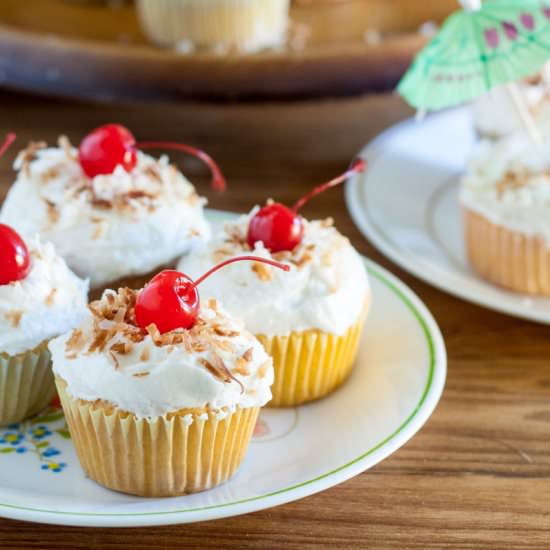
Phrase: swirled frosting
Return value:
(326, 289)
(49, 301)
(109, 226)
(217, 364)
(508, 182)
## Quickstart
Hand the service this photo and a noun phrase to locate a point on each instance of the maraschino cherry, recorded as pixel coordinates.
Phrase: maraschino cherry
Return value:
(15, 260)
(171, 299)
(281, 228)
(14, 256)
(112, 145)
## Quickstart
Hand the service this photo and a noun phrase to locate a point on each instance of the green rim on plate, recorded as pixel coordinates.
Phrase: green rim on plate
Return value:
(429, 383)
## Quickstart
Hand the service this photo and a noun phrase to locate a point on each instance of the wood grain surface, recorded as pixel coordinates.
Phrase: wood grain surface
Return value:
(476, 476)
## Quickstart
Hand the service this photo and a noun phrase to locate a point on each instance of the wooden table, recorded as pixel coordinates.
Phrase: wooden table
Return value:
(476, 476)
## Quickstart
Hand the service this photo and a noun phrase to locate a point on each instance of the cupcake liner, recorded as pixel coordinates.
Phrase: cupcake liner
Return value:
(505, 257)
(243, 24)
(159, 457)
(26, 384)
(311, 364)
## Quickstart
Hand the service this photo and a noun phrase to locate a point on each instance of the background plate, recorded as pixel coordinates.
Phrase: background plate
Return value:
(406, 204)
(92, 50)
(399, 377)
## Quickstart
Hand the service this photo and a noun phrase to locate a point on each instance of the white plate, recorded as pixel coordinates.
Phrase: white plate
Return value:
(296, 452)
(406, 204)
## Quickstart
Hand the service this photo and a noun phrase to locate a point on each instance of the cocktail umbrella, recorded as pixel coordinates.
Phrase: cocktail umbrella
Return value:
(482, 46)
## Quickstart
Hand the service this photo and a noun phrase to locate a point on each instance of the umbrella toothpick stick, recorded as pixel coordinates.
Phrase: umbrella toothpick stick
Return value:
(524, 113)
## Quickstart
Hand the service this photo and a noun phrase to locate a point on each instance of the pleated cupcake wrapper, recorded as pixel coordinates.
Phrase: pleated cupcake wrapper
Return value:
(311, 364)
(165, 456)
(243, 24)
(26, 384)
(505, 257)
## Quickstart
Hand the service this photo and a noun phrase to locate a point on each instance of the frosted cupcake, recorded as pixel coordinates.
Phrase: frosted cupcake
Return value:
(221, 25)
(39, 298)
(161, 394)
(505, 198)
(496, 116)
(111, 211)
(309, 320)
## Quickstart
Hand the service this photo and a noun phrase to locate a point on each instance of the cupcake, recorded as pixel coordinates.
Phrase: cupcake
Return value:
(505, 198)
(39, 298)
(309, 320)
(161, 393)
(112, 211)
(496, 115)
(243, 25)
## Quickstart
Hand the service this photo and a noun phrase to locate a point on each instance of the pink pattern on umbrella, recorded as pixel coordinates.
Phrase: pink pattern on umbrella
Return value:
(546, 12)
(528, 21)
(510, 29)
(492, 38)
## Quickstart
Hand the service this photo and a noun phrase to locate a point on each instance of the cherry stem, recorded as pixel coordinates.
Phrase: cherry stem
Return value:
(273, 263)
(357, 166)
(10, 138)
(218, 181)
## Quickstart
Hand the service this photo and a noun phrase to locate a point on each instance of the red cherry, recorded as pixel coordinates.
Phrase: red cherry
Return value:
(107, 147)
(15, 260)
(171, 299)
(277, 226)
(281, 228)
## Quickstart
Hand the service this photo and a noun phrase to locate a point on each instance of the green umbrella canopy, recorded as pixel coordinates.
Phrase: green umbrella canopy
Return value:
(478, 48)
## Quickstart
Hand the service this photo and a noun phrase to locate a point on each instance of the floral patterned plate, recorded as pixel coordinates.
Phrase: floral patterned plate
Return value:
(397, 382)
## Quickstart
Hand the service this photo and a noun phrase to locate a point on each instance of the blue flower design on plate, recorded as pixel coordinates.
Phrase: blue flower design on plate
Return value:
(32, 437)
(12, 438)
(55, 467)
(39, 432)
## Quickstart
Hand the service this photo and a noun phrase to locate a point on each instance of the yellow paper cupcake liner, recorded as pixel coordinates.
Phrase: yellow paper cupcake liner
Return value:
(243, 24)
(160, 457)
(505, 257)
(311, 364)
(26, 384)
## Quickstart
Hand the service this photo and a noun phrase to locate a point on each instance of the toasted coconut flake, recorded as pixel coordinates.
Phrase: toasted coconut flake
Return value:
(213, 304)
(115, 360)
(75, 343)
(64, 143)
(121, 348)
(145, 355)
(100, 229)
(262, 271)
(262, 370)
(220, 331)
(50, 298)
(248, 354)
(25, 157)
(327, 222)
(53, 211)
(14, 317)
(141, 374)
(241, 367)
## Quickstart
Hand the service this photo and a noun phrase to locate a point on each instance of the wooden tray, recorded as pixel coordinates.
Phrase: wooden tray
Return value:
(97, 51)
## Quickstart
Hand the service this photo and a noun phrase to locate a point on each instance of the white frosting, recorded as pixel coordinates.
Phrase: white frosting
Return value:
(508, 182)
(496, 115)
(49, 301)
(327, 292)
(175, 379)
(134, 236)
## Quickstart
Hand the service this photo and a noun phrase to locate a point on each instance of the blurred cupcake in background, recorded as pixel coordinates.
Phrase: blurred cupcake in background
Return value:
(114, 213)
(222, 25)
(505, 198)
(39, 298)
(496, 115)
